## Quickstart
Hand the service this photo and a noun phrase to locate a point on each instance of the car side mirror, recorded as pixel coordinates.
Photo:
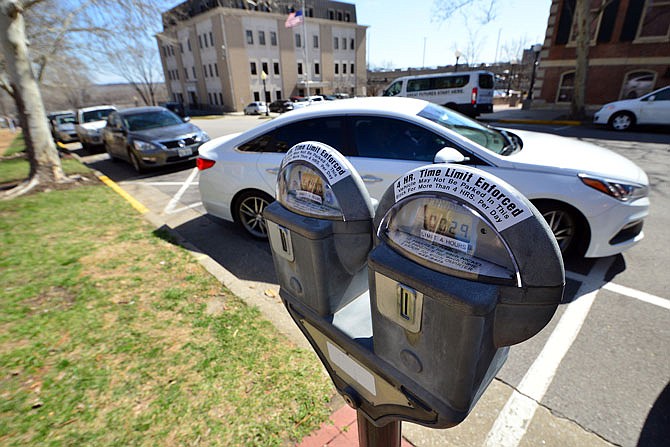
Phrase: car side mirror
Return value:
(186, 119)
(449, 155)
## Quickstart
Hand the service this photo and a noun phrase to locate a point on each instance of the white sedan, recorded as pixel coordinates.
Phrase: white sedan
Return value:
(594, 200)
(652, 108)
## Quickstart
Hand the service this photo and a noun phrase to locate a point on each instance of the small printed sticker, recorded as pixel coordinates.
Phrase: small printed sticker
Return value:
(322, 156)
(503, 207)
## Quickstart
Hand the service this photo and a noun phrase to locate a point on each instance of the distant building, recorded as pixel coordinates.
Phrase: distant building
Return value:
(215, 51)
(629, 54)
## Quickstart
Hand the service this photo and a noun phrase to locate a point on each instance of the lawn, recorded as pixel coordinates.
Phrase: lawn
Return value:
(112, 335)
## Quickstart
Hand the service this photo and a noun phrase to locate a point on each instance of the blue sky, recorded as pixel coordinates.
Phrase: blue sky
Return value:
(399, 28)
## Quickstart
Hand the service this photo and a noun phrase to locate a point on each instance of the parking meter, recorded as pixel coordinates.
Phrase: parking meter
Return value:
(463, 267)
(320, 228)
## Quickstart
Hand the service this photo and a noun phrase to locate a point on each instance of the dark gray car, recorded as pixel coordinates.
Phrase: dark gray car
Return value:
(149, 137)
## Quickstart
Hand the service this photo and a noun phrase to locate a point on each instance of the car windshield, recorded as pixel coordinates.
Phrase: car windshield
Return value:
(96, 115)
(65, 119)
(151, 120)
(493, 140)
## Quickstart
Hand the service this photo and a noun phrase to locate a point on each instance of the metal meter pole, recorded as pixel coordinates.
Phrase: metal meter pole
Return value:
(371, 436)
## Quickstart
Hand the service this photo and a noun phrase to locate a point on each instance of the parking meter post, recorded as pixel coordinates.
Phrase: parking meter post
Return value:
(369, 435)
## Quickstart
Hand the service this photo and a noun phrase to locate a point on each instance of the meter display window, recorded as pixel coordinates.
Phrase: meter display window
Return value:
(304, 190)
(449, 237)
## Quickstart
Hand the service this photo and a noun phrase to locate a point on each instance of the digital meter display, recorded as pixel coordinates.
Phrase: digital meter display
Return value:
(447, 236)
(306, 192)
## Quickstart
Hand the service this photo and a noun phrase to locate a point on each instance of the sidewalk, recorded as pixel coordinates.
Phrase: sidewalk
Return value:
(503, 113)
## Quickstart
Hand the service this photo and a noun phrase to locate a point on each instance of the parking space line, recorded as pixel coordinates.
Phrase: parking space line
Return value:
(627, 291)
(170, 208)
(517, 414)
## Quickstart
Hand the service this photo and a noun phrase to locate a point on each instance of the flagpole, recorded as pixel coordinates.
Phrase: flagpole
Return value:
(304, 47)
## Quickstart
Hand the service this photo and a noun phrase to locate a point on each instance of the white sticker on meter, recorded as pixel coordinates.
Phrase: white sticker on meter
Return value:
(322, 156)
(503, 207)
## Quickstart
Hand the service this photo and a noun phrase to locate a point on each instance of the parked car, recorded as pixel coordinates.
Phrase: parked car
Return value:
(308, 101)
(62, 128)
(148, 137)
(594, 200)
(281, 106)
(255, 108)
(652, 108)
(174, 107)
(89, 124)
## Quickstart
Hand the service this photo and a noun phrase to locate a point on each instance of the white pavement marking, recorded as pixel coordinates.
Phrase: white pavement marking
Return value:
(627, 291)
(170, 208)
(166, 183)
(515, 417)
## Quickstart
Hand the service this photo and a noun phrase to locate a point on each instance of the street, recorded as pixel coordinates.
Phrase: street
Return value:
(602, 365)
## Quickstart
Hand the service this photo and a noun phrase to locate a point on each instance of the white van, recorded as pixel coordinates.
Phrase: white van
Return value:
(469, 92)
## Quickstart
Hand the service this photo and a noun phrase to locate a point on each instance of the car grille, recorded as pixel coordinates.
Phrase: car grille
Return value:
(627, 233)
(174, 144)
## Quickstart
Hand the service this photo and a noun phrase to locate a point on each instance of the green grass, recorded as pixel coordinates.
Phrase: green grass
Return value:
(112, 336)
(18, 169)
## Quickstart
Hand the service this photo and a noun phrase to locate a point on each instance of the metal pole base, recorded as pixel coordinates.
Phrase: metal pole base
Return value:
(371, 436)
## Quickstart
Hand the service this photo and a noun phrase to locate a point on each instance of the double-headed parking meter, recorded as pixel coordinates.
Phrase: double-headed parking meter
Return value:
(414, 329)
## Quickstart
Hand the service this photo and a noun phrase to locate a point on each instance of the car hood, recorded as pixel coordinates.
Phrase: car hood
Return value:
(165, 133)
(623, 104)
(541, 151)
(65, 127)
(94, 125)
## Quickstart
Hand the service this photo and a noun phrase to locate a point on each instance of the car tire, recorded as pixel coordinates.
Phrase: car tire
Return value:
(564, 224)
(622, 121)
(248, 212)
(135, 162)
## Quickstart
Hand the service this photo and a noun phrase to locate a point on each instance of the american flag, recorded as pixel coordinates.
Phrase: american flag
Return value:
(294, 19)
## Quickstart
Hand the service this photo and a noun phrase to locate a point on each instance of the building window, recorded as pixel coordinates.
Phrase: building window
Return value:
(637, 83)
(253, 68)
(200, 41)
(336, 43)
(317, 69)
(211, 39)
(344, 43)
(273, 38)
(181, 48)
(188, 44)
(264, 66)
(193, 70)
(352, 69)
(220, 98)
(205, 40)
(275, 67)
(566, 87)
(655, 21)
(331, 14)
(204, 70)
(278, 94)
(315, 41)
(352, 44)
(337, 68)
(185, 74)
(299, 68)
(298, 40)
(216, 69)
(261, 38)
(211, 72)
(594, 23)
(310, 12)
(339, 16)
(250, 37)
(344, 68)
(347, 17)
(257, 96)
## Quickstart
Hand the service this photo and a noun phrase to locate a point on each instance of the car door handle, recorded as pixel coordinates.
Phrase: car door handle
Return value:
(272, 171)
(371, 179)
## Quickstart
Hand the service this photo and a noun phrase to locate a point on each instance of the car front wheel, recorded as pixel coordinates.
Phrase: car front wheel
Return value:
(135, 161)
(622, 121)
(563, 225)
(249, 212)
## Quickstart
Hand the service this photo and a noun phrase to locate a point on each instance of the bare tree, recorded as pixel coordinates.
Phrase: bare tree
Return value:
(18, 80)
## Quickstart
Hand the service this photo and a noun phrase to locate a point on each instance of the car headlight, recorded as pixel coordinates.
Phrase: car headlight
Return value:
(144, 146)
(614, 188)
(201, 137)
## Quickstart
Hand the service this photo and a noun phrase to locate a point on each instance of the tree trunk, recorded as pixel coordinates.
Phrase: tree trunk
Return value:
(45, 165)
(583, 39)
